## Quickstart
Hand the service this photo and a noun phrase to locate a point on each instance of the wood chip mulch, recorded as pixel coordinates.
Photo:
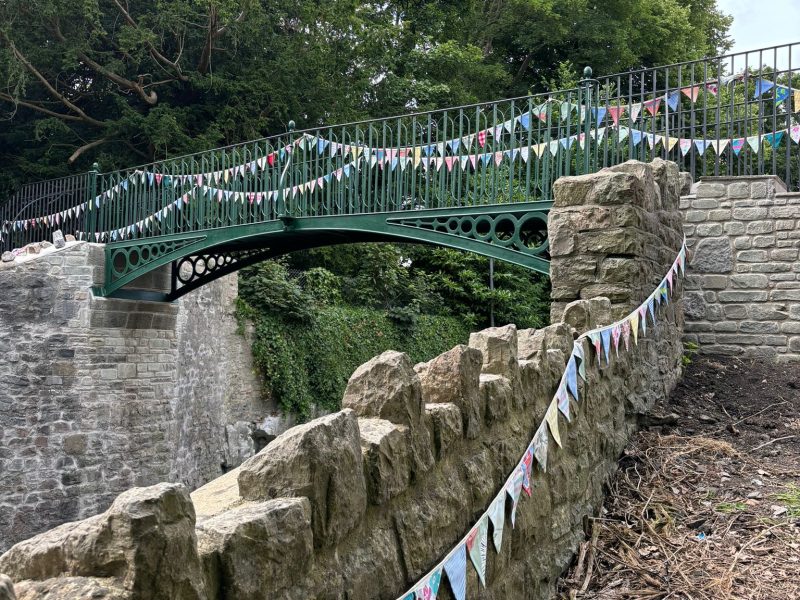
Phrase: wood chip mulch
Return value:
(706, 501)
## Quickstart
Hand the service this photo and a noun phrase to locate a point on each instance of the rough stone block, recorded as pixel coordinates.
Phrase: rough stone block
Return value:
(496, 390)
(452, 377)
(447, 426)
(752, 256)
(257, 550)
(498, 346)
(709, 229)
(750, 280)
(7, 588)
(710, 190)
(129, 541)
(750, 214)
(713, 255)
(386, 387)
(387, 458)
(738, 189)
(320, 460)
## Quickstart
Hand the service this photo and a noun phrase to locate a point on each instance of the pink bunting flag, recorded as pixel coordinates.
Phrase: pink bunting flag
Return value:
(653, 105)
(626, 333)
(498, 158)
(482, 138)
(616, 332)
(685, 146)
(448, 161)
(158, 178)
(712, 88)
(794, 133)
(691, 92)
(615, 112)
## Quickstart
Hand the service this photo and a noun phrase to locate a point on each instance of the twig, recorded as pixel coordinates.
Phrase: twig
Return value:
(786, 437)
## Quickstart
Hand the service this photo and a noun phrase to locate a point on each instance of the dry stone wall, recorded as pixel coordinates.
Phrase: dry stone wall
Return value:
(743, 289)
(100, 395)
(361, 503)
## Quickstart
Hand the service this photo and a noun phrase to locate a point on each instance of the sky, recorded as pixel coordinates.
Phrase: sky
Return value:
(762, 23)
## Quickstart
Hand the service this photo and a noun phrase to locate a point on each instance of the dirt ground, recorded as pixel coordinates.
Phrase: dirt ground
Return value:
(706, 503)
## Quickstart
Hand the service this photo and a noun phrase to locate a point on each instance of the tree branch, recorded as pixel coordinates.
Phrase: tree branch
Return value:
(213, 34)
(150, 98)
(84, 148)
(50, 89)
(157, 56)
(33, 106)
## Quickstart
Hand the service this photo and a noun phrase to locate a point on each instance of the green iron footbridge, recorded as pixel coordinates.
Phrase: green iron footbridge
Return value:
(476, 178)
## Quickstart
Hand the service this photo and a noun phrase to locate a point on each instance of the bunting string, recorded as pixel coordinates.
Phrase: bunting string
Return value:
(601, 340)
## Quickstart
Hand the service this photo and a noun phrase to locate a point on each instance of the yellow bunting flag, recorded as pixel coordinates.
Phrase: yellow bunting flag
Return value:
(671, 142)
(634, 319)
(797, 101)
(551, 416)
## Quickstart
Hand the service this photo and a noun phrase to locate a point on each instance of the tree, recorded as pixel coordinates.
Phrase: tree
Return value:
(128, 81)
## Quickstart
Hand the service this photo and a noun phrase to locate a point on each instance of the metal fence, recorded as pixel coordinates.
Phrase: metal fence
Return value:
(730, 115)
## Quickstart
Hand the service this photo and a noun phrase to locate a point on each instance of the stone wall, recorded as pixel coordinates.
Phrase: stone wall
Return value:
(360, 503)
(743, 289)
(100, 395)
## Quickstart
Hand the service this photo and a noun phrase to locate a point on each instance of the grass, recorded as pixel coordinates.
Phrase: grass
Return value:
(790, 499)
(731, 507)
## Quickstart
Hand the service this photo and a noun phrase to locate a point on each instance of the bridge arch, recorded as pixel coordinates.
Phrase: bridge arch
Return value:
(514, 233)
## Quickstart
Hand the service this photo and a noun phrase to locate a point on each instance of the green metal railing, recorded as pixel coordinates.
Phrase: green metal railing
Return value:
(730, 115)
(500, 152)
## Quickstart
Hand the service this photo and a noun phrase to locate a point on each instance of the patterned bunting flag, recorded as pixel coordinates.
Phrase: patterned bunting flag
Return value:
(774, 139)
(606, 335)
(673, 100)
(596, 341)
(711, 88)
(615, 112)
(540, 446)
(754, 142)
(514, 489)
(626, 333)
(635, 110)
(685, 145)
(624, 132)
(702, 146)
(562, 399)
(794, 133)
(671, 141)
(781, 93)
(797, 101)
(482, 138)
(577, 352)
(477, 546)
(616, 332)
(497, 513)
(691, 92)
(430, 588)
(551, 418)
(526, 468)
(643, 317)
(737, 145)
(456, 569)
(636, 137)
(653, 105)
(652, 309)
(719, 146)
(571, 377)
(525, 120)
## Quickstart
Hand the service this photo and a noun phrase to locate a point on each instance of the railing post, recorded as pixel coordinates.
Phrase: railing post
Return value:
(92, 209)
(587, 83)
(281, 203)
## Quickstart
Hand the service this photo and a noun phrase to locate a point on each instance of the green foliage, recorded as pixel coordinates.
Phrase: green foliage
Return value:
(306, 363)
(123, 83)
(689, 350)
(350, 303)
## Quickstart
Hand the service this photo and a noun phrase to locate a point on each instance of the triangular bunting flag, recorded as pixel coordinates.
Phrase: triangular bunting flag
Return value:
(562, 399)
(514, 489)
(653, 105)
(497, 513)
(635, 110)
(774, 139)
(616, 332)
(673, 100)
(643, 318)
(701, 145)
(685, 145)
(456, 569)
(754, 143)
(691, 92)
(737, 145)
(794, 133)
(577, 352)
(477, 545)
(540, 444)
(606, 335)
(551, 418)
(762, 85)
(429, 589)
(615, 112)
(571, 377)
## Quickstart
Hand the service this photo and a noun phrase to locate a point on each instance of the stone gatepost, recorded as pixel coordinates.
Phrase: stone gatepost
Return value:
(614, 233)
